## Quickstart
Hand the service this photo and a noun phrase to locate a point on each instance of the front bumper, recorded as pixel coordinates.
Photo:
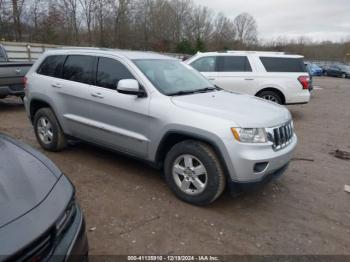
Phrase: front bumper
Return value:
(242, 159)
(237, 188)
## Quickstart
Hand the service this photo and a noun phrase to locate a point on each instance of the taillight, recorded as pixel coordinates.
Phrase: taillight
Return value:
(304, 81)
(25, 81)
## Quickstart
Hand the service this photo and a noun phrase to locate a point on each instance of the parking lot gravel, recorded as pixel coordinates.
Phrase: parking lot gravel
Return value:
(130, 210)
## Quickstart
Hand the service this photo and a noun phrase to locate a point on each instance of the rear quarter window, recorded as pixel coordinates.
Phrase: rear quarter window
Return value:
(281, 64)
(52, 66)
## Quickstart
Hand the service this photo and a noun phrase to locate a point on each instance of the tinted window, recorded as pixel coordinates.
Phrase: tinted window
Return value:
(205, 64)
(280, 64)
(78, 68)
(110, 72)
(233, 64)
(52, 66)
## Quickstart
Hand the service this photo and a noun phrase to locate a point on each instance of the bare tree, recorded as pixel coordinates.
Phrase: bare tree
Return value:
(246, 29)
(88, 9)
(99, 25)
(17, 6)
(223, 34)
(70, 10)
(120, 15)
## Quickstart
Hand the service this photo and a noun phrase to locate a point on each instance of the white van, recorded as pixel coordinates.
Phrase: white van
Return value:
(275, 76)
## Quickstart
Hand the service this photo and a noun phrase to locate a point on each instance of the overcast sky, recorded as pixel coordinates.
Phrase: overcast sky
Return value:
(317, 19)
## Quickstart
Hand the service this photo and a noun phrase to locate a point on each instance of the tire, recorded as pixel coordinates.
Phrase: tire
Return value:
(271, 96)
(48, 131)
(325, 73)
(343, 75)
(212, 182)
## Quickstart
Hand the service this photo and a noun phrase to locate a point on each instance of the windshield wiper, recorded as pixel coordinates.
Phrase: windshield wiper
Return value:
(206, 89)
(181, 93)
(195, 91)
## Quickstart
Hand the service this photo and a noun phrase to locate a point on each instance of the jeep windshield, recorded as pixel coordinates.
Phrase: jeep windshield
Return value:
(171, 77)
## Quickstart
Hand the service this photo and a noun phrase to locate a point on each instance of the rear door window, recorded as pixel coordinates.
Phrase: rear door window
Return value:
(282, 64)
(234, 64)
(52, 66)
(205, 64)
(78, 68)
(110, 72)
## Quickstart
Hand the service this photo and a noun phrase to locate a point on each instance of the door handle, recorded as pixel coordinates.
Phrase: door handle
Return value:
(97, 95)
(18, 71)
(211, 79)
(249, 79)
(56, 85)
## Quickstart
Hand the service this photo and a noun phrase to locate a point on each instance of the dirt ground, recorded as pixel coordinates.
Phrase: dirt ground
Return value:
(306, 211)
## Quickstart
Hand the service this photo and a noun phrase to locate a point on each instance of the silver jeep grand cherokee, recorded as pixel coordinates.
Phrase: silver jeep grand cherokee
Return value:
(155, 108)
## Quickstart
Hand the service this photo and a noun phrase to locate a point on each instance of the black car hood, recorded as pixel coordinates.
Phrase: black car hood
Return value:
(26, 178)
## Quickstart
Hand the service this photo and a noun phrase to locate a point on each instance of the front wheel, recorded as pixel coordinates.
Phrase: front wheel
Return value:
(343, 75)
(194, 172)
(271, 96)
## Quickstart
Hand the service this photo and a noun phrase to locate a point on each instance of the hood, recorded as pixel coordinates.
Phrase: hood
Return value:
(244, 110)
(25, 179)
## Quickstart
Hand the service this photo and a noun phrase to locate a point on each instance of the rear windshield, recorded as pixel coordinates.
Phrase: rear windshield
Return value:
(281, 64)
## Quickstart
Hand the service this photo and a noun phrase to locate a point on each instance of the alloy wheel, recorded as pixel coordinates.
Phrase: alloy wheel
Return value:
(270, 98)
(190, 175)
(45, 130)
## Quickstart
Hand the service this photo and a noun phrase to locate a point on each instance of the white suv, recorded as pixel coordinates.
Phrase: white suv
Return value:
(278, 77)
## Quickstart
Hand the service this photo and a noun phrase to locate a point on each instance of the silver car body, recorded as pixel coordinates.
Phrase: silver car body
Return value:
(137, 126)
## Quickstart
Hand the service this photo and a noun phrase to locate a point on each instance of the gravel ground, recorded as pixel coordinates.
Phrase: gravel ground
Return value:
(132, 211)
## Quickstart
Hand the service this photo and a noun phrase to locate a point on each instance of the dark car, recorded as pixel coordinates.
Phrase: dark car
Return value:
(313, 69)
(342, 71)
(39, 216)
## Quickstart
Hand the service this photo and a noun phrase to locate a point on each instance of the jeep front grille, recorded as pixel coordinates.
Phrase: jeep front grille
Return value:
(281, 136)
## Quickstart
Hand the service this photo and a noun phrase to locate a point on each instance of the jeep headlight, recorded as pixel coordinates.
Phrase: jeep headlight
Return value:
(250, 135)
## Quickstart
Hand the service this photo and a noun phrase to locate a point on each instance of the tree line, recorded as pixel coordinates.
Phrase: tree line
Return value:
(161, 25)
(179, 26)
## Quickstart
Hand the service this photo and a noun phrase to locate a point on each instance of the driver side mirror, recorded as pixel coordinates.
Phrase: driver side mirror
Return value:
(130, 87)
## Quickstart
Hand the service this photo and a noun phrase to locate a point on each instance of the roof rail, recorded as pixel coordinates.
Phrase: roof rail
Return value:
(255, 52)
(86, 48)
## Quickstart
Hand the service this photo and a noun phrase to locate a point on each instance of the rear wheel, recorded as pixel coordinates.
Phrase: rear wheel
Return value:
(48, 131)
(343, 75)
(271, 96)
(194, 172)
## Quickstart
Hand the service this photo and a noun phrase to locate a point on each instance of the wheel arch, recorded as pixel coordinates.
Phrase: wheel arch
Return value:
(35, 105)
(273, 89)
(171, 138)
